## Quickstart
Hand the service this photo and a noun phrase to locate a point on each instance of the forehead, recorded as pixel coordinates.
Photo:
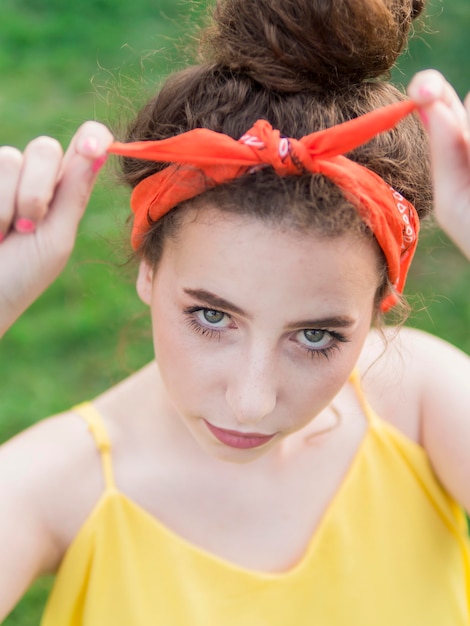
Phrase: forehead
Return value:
(248, 259)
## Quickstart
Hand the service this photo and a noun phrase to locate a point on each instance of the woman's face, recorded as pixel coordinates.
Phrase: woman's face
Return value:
(256, 328)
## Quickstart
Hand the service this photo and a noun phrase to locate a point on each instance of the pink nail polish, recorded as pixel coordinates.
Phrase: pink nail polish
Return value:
(24, 225)
(98, 163)
(2, 237)
(90, 144)
(429, 92)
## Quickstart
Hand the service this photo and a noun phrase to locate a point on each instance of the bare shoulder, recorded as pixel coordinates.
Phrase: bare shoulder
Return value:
(405, 369)
(50, 474)
(416, 358)
(49, 481)
(419, 344)
(51, 478)
(421, 384)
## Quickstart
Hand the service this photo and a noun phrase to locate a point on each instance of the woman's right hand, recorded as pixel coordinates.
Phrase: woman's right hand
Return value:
(43, 195)
(448, 123)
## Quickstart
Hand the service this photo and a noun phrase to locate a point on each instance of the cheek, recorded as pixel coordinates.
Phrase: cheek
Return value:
(310, 394)
(312, 387)
(188, 369)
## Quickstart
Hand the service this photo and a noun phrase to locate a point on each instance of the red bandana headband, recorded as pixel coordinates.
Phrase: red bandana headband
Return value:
(214, 158)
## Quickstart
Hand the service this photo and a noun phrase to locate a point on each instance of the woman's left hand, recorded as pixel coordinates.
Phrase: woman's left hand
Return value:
(447, 121)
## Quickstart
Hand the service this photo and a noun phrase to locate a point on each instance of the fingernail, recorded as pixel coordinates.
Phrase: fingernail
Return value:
(23, 225)
(429, 91)
(90, 144)
(425, 91)
(2, 237)
(98, 163)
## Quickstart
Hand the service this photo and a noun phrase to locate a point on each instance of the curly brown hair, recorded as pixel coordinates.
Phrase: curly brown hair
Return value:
(303, 65)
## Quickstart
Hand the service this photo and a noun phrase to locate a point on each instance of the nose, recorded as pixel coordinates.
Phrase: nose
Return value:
(252, 389)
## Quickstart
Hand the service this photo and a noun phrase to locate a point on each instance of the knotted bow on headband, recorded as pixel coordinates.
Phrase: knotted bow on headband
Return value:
(212, 159)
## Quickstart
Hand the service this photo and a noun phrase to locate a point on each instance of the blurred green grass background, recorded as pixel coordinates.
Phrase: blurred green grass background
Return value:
(62, 63)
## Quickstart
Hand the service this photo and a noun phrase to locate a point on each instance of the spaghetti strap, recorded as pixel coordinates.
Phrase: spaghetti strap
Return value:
(98, 430)
(355, 380)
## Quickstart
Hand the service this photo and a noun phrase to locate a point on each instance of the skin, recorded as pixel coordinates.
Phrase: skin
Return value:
(275, 388)
(43, 195)
(251, 507)
(255, 370)
(447, 122)
(51, 475)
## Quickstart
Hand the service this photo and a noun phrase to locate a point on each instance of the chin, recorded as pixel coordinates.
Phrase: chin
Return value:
(239, 457)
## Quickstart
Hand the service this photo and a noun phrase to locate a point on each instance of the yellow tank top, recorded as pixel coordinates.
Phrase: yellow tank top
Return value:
(391, 550)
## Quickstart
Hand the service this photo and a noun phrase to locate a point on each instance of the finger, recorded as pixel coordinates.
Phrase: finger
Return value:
(467, 104)
(450, 168)
(80, 168)
(41, 163)
(467, 111)
(90, 141)
(429, 87)
(448, 138)
(11, 161)
(446, 120)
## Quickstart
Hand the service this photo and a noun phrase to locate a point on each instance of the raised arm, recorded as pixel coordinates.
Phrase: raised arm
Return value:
(43, 194)
(448, 123)
(443, 371)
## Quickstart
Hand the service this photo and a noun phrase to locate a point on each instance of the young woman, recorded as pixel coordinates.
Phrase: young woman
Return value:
(286, 458)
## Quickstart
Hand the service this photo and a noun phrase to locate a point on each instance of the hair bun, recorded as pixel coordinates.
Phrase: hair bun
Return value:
(297, 45)
(417, 8)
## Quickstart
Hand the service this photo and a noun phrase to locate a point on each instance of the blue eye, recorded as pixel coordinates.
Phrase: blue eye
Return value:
(314, 339)
(319, 343)
(208, 322)
(212, 317)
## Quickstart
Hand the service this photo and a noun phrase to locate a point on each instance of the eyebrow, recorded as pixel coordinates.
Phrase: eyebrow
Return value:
(206, 297)
(339, 321)
(216, 302)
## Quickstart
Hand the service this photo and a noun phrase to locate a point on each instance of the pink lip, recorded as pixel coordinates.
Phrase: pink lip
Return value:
(235, 439)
